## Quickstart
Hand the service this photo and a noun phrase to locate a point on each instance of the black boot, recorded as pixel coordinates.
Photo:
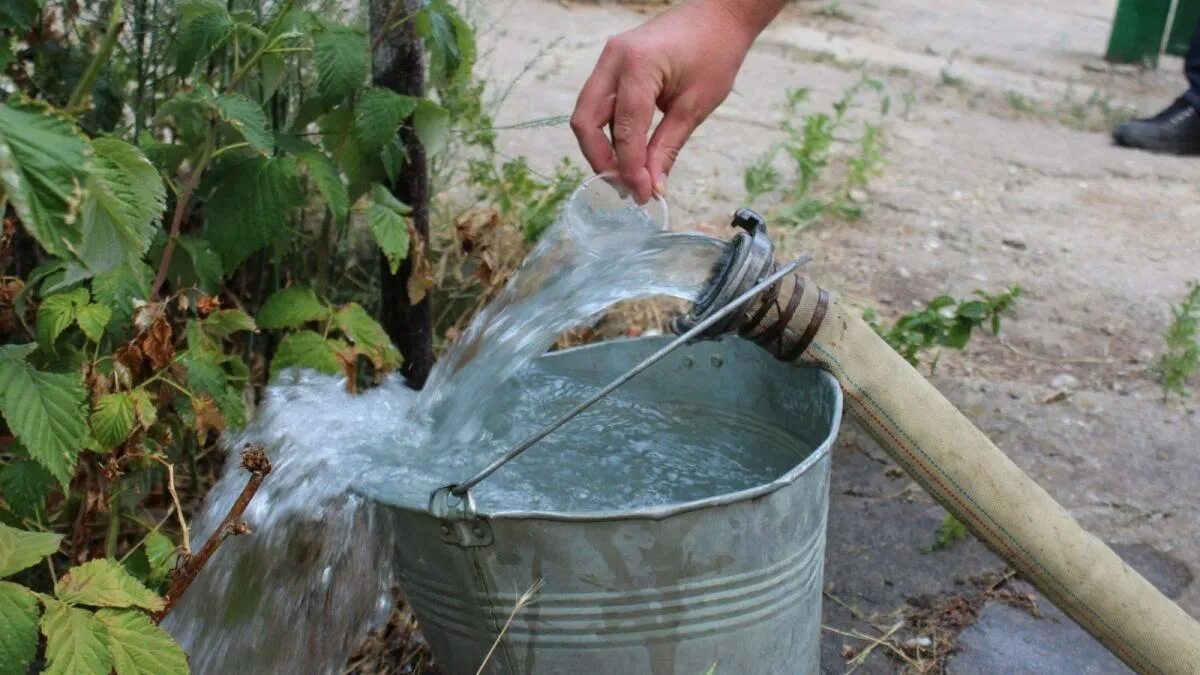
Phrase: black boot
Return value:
(1175, 130)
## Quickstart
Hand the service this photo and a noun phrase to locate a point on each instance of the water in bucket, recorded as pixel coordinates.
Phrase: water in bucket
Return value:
(316, 573)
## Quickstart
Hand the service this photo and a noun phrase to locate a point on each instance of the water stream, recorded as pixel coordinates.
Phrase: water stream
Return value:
(296, 595)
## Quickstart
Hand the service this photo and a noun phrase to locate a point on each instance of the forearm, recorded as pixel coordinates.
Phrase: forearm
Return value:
(753, 15)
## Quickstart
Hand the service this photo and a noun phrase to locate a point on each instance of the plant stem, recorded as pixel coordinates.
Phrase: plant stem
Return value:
(323, 254)
(115, 23)
(139, 33)
(114, 527)
(181, 208)
(254, 460)
(240, 71)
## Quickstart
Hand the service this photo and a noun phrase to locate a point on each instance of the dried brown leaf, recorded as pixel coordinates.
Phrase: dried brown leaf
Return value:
(420, 278)
(156, 343)
(208, 417)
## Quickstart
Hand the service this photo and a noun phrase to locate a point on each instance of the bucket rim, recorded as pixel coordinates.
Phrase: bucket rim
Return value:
(662, 511)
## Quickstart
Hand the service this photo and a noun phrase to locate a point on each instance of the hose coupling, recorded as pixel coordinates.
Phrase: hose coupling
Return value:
(752, 259)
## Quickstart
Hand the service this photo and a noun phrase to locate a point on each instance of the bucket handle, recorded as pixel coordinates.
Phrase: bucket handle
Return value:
(445, 504)
(439, 499)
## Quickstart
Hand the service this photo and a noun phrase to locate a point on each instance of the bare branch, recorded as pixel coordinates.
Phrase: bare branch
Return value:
(254, 460)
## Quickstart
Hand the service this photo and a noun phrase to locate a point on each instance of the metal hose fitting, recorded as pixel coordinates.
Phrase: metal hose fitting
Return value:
(772, 317)
(752, 259)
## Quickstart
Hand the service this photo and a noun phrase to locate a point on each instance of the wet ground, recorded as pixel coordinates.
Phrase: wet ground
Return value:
(997, 170)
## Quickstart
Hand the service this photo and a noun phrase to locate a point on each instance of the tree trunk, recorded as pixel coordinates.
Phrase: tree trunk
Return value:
(399, 65)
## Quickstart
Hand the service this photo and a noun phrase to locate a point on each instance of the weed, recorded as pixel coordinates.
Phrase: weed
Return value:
(944, 322)
(949, 79)
(521, 194)
(1020, 102)
(760, 177)
(869, 159)
(949, 531)
(834, 10)
(1182, 359)
(809, 145)
(1098, 112)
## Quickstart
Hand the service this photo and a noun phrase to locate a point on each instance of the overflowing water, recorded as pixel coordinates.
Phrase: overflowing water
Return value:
(296, 595)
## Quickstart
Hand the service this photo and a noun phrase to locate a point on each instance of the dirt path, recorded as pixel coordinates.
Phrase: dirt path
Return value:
(998, 170)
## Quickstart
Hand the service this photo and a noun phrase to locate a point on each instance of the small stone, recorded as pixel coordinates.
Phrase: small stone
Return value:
(858, 196)
(1014, 242)
(1064, 381)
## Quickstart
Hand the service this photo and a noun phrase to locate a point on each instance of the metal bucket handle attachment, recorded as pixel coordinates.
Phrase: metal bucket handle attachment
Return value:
(461, 524)
(463, 513)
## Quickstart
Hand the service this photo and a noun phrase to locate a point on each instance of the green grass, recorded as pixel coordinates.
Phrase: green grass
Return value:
(1181, 360)
(818, 180)
(949, 531)
(944, 322)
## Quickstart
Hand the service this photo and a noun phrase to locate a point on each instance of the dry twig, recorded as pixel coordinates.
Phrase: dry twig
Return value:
(254, 460)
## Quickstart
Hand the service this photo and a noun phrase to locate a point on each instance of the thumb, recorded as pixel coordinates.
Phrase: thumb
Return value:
(663, 149)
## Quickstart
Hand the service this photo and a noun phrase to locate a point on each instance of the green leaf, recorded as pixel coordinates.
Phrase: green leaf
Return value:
(20, 549)
(292, 307)
(367, 335)
(431, 122)
(57, 313)
(112, 418)
(250, 207)
(143, 408)
(337, 135)
(232, 405)
(19, 15)
(272, 71)
(92, 318)
(200, 265)
(325, 176)
(123, 205)
(190, 113)
(205, 26)
(204, 373)
(160, 553)
(393, 157)
(119, 289)
(46, 412)
(449, 40)
(226, 322)
(42, 161)
(307, 349)
(340, 55)
(76, 643)
(104, 583)
(388, 226)
(380, 113)
(6, 48)
(382, 196)
(248, 119)
(18, 628)
(24, 484)
(139, 647)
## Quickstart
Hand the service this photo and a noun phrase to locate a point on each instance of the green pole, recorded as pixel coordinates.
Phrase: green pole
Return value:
(1137, 31)
(1187, 17)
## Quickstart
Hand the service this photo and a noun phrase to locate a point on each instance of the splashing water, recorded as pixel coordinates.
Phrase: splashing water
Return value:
(298, 593)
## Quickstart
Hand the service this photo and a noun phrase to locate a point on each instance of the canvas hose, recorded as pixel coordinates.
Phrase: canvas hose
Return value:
(969, 476)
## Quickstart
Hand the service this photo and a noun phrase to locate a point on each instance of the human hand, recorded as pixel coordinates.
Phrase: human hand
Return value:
(684, 62)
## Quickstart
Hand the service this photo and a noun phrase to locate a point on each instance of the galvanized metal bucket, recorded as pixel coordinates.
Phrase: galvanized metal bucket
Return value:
(732, 581)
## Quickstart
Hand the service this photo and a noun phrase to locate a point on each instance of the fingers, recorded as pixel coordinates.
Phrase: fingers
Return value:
(619, 95)
(593, 111)
(630, 126)
(668, 139)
